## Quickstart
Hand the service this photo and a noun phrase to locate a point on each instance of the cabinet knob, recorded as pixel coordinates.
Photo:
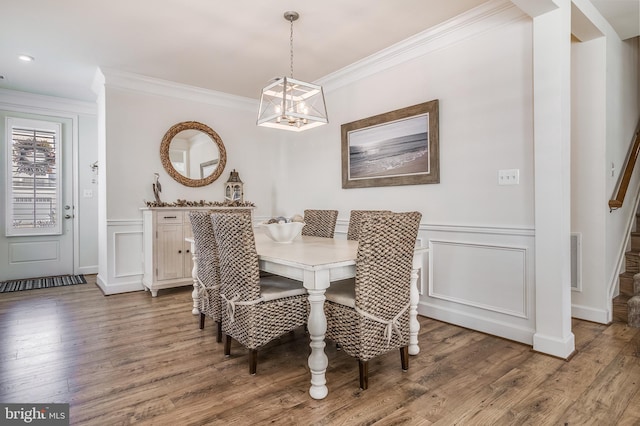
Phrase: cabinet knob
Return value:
(187, 251)
(179, 251)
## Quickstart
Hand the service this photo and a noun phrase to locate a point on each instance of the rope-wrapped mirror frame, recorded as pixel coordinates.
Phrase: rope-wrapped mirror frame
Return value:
(166, 161)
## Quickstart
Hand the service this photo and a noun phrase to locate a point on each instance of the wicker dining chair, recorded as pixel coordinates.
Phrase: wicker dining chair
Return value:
(372, 317)
(255, 310)
(320, 223)
(355, 217)
(208, 276)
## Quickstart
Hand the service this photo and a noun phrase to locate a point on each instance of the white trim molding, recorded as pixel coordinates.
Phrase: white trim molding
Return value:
(470, 24)
(149, 85)
(123, 259)
(465, 264)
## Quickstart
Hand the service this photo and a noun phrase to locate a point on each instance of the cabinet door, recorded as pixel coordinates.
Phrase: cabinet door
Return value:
(188, 257)
(170, 251)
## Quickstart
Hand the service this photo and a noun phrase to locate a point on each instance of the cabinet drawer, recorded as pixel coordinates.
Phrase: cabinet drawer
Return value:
(170, 217)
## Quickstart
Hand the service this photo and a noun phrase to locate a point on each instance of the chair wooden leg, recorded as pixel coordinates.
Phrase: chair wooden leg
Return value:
(363, 367)
(404, 357)
(253, 361)
(227, 346)
(201, 320)
(219, 335)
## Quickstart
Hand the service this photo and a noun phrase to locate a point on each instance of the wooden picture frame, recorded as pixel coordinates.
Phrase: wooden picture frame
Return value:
(400, 147)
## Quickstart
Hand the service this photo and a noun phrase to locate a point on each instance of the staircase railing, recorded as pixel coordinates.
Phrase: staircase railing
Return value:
(625, 178)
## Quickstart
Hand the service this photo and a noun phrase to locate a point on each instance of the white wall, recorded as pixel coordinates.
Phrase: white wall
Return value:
(605, 109)
(484, 88)
(480, 234)
(138, 113)
(589, 176)
(88, 195)
(623, 111)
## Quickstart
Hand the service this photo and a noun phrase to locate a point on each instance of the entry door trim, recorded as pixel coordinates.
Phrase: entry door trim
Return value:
(62, 108)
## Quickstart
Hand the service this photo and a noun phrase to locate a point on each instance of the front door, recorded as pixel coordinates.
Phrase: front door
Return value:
(37, 237)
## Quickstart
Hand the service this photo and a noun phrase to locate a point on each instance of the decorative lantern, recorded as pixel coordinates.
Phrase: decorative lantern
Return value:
(233, 191)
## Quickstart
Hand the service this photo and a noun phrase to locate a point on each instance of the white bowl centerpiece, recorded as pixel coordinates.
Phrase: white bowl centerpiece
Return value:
(282, 229)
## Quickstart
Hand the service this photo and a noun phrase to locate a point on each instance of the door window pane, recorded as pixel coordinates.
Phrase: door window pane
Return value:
(33, 184)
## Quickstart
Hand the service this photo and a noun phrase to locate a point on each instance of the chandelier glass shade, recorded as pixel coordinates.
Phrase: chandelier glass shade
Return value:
(291, 104)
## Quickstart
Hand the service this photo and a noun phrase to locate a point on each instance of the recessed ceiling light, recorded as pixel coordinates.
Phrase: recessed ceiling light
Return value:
(26, 58)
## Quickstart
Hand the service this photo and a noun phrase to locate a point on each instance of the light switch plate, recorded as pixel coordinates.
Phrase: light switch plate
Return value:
(509, 177)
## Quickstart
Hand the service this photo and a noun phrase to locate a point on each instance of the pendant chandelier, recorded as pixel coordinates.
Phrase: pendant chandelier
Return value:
(291, 104)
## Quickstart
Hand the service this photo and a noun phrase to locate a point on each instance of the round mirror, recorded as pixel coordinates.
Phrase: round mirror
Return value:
(193, 154)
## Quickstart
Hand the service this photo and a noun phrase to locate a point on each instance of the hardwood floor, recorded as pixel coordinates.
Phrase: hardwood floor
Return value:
(131, 358)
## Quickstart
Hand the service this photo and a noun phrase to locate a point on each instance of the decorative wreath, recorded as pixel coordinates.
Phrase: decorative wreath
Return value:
(34, 158)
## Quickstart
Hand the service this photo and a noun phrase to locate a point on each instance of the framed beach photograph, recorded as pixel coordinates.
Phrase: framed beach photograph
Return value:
(395, 148)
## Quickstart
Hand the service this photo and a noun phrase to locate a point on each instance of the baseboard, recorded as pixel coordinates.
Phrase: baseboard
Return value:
(474, 322)
(119, 287)
(550, 345)
(88, 270)
(590, 314)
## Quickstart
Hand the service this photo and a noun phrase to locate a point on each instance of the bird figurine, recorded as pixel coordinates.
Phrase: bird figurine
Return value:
(157, 188)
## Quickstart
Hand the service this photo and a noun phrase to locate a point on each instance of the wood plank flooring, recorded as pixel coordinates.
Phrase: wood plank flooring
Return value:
(131, 358)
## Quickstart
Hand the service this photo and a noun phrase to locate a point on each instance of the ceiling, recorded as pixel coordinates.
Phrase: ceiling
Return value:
(234, 47)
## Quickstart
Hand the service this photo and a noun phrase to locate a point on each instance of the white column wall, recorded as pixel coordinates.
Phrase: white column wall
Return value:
(552, 132)
(589, 175)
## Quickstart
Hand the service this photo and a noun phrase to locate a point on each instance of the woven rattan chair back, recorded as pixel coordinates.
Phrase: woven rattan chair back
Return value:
(384, 264)
(355, 217)
(206, 252)
(379, 322)
(320, 223)
(239, 269)
(247, 317)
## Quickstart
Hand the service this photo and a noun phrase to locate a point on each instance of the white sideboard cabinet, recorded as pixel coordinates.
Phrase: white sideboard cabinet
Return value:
(168, 261)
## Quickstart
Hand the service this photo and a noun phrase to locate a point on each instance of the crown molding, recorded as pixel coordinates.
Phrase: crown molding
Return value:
(17, 100)
(155, 86)
(470, 24)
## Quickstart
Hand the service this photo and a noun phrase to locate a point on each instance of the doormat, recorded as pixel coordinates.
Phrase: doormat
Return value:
(44, 282)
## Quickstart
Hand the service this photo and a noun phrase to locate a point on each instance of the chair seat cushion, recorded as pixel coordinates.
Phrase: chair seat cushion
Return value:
(342, 292)
(277, 287)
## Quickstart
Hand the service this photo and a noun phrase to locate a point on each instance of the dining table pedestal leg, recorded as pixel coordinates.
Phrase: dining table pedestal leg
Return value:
(318, 361)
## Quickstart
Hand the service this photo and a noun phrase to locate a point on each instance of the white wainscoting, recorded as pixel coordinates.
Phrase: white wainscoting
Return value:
(125, 265)
(488, 277)
(481, 278)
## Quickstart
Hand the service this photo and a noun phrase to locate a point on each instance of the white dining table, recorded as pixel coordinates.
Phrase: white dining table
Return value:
(317, 262)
